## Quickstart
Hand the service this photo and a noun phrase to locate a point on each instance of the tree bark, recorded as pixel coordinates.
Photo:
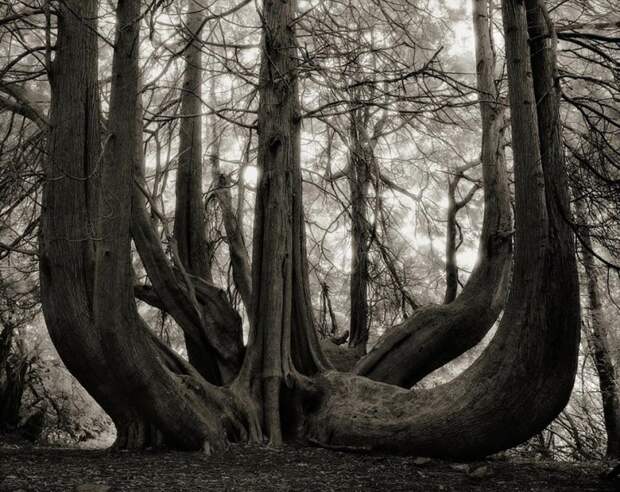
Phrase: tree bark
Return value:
(452, 227)
(435, 335)
(151, 394)
(519, 384)
(283, 344)
(452, 270)
(360, 160)
(67, 246)
(206, 317)
(189, 221)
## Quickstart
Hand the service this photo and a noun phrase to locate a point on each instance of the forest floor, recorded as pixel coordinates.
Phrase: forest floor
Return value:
(254, 468)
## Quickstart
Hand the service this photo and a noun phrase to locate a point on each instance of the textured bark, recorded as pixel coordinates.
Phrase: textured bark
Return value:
(525, 376)
(283, 341)
(67, 247)
(151, 394)
(519, 384)
(599, 342)
(434, 335)
(360, 159)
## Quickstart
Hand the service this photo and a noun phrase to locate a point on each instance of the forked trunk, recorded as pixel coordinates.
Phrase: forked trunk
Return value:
(67, 246)
(151, 394)
(519, 384)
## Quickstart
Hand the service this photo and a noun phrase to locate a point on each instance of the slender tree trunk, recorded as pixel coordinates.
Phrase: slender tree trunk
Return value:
(452, 270)
(189, 220)
(359, 184)
(12, 379)
(599, 342)
(434, 335)
(239, 257)
(454, 205)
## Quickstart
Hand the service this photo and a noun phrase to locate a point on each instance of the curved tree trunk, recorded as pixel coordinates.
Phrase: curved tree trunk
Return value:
(435, 335)
(524, 377)
(201, 309)
(522, 380)
(150, 393)
(67, 246)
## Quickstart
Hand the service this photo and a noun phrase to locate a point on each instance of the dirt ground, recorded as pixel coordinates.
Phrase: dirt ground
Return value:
(250, 468)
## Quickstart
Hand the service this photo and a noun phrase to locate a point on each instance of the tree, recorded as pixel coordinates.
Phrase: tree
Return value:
(94, 204)
(81, 278)
(599, 337)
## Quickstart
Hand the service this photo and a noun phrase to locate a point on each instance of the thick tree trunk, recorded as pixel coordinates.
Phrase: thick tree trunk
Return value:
(189, 221)
(512, 391)
(599, 342)
(67, 246)
(283, 343)
(360, 160)
(151, 394)
(525, 376)
(434, 335)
